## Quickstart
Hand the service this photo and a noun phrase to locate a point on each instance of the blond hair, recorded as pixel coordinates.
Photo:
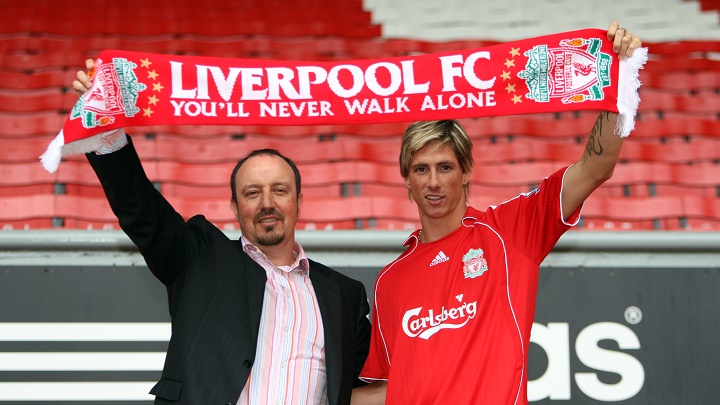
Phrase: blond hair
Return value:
(447, 132)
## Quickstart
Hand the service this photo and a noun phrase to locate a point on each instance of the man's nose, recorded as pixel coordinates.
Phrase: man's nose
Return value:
(434, 181)
(267, 200)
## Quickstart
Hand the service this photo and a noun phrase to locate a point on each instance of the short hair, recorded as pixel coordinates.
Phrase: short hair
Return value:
(268, 152)
(448, 132)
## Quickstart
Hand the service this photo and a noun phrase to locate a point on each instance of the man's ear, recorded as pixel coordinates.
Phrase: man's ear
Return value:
(409, 189)
(233, 207)
(299, 203)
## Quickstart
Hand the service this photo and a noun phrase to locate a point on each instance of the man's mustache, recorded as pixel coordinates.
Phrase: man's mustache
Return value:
(268, 213)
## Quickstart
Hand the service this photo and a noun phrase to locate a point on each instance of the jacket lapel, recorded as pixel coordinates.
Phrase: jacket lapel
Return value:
(256, 279)
(328, 297)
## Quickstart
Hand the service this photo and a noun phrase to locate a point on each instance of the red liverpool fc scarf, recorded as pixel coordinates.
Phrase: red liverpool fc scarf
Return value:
(575, 70)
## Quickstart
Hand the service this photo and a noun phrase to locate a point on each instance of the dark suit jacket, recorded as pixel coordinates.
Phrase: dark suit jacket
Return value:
(215, 293)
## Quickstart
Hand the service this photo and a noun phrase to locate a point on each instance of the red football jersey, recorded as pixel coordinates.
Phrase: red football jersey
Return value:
(452, 318)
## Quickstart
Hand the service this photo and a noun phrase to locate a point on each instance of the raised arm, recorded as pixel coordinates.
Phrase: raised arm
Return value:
(159, 232)
(602, 151)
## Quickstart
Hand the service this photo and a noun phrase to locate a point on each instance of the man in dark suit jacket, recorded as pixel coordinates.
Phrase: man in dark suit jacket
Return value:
(216, 289)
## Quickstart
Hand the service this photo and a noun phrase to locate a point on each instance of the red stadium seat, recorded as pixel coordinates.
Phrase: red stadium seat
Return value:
(39, 206)
(220, 150)
(24, 150)
(81, 173)
(26, 224)
(683, 49)
(683, 82)
(594, 224)
(632, 209)
(206, 174)
(643, 179)
(215, 210)
(528, 174)
(682, 64)
(539, 125)
(74, 207)
(23, 174)
(704, 102)
(51, 59)
(29, 149)
(37, 80)
(14, 125)
(699, 207)
(677, 150)
(673, 124)
(47, 99)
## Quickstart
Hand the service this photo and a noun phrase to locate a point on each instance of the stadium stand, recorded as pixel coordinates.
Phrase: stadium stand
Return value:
(667, 180)
(83, 321)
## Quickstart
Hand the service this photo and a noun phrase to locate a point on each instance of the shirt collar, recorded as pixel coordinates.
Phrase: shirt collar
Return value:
(301, 263)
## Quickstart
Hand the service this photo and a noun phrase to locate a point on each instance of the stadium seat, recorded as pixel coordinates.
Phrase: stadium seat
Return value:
(528, 174)
(18, 208)
(24, 150)
(704, 102)
(17, 125)
(34, 80)
(565, 125)
(677, 150)
(75, 207)
(81, 173)
(218, 150)
(642, 179)
(673, 124)
(684, 82)
(205, 174)
(683, 65)
(631, 208)
(45, 99)
(23, 174)
(701, 208)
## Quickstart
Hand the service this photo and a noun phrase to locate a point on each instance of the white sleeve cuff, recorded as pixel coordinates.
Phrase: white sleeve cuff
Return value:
(112, 141)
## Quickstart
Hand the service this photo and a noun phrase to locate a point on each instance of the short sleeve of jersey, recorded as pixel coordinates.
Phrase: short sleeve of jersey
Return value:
(533, 221)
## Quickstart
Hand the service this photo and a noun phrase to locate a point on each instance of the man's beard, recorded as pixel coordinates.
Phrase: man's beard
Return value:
(269, 237)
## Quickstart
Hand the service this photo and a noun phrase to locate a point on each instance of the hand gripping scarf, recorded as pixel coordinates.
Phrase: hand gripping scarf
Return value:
(575, 70)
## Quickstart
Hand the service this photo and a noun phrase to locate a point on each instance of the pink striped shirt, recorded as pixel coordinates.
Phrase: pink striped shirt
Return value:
(290, 360)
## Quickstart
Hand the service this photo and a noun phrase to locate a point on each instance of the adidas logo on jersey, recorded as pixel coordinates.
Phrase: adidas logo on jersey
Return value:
(440, 258)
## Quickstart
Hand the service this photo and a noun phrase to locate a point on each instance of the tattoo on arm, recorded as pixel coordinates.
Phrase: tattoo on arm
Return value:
(594, 147)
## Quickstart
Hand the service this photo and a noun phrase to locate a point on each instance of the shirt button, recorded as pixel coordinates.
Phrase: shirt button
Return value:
(287, 329)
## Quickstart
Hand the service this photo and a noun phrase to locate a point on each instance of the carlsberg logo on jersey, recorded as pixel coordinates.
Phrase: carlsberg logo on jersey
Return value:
(424, 325)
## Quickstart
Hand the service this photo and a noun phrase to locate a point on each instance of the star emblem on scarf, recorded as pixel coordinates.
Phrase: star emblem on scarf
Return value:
(152, 74)
(507, 75)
